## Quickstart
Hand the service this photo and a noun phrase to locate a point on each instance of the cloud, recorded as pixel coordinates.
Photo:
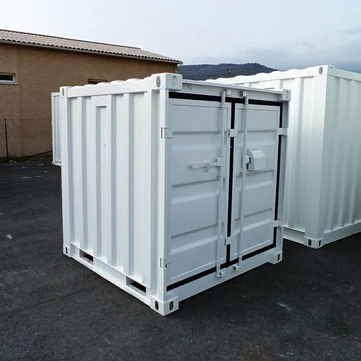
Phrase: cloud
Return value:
(339, 49)
(353, 31)
(306, 45)
(273, 55)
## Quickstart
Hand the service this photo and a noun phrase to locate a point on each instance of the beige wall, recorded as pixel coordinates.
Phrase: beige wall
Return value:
(38, 71)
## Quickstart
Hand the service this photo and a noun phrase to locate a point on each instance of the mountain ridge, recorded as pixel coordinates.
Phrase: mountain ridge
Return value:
(223, 70)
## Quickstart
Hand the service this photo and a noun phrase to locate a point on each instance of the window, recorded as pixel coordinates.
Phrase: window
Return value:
(96, 81)
(7, 78)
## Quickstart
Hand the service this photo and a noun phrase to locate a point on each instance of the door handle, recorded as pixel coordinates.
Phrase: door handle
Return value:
(208, 165)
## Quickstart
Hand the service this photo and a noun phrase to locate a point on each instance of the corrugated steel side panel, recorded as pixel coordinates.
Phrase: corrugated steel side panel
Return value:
(56, 128)
(300, 133)
(111, 156)
(343, 134)
(323, 189)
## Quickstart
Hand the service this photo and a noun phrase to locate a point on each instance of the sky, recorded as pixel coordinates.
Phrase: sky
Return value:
(282, 34)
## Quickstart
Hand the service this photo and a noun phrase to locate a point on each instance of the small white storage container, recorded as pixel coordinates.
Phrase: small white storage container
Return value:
(323, 177)
(171, 187)
(56, 128)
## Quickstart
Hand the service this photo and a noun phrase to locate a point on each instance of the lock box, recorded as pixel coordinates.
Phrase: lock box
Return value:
(257, 159)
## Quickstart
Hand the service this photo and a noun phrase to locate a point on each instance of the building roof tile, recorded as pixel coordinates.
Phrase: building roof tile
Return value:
(8, 36)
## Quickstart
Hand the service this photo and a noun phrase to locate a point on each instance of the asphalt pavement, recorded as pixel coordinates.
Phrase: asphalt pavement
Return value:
(53, 308)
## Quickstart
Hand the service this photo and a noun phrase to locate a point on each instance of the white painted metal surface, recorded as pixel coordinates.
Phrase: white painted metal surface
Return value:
(159, 193)
(323, 177)
(56, 128)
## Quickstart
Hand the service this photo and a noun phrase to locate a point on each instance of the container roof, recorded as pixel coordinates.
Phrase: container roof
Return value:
(38, 40)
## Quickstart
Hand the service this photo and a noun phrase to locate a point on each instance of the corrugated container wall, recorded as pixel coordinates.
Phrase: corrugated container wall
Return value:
(56, 128)
(323, 173)
(170, 186)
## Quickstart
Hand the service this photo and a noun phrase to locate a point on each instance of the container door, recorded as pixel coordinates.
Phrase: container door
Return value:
(254, 186)
(198, 156)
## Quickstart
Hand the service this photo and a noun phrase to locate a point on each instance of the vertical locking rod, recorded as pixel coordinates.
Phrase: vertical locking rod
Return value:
(220, 242)
(243, 177)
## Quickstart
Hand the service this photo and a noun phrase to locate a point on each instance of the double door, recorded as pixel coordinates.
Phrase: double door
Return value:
(223, 183)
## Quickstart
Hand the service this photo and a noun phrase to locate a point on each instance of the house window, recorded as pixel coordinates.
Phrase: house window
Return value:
(96, 81)
(7, 78)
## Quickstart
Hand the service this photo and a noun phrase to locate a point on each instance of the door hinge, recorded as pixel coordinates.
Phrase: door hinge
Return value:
(163, 263)
(277, 223)
(166, 133)
(282, 131)
(231, 239)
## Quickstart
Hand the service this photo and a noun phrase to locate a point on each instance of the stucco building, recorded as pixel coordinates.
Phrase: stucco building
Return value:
(32, 66)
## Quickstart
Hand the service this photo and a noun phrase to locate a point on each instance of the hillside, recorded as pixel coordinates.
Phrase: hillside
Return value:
(214, 71)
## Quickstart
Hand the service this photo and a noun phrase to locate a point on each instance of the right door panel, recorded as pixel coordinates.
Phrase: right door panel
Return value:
(254, 192)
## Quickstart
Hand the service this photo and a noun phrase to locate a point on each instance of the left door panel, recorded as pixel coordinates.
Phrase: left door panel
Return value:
(198, 185)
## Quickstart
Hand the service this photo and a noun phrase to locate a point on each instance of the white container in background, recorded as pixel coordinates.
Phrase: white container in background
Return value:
(323, 176)
(154, 196)
(56, 128)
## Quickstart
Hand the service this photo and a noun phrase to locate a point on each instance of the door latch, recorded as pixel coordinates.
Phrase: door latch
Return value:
(208, 165)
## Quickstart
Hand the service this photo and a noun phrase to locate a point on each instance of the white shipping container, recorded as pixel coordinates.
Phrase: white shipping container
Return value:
(323, 176)
(169, 186)
(56, 128)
